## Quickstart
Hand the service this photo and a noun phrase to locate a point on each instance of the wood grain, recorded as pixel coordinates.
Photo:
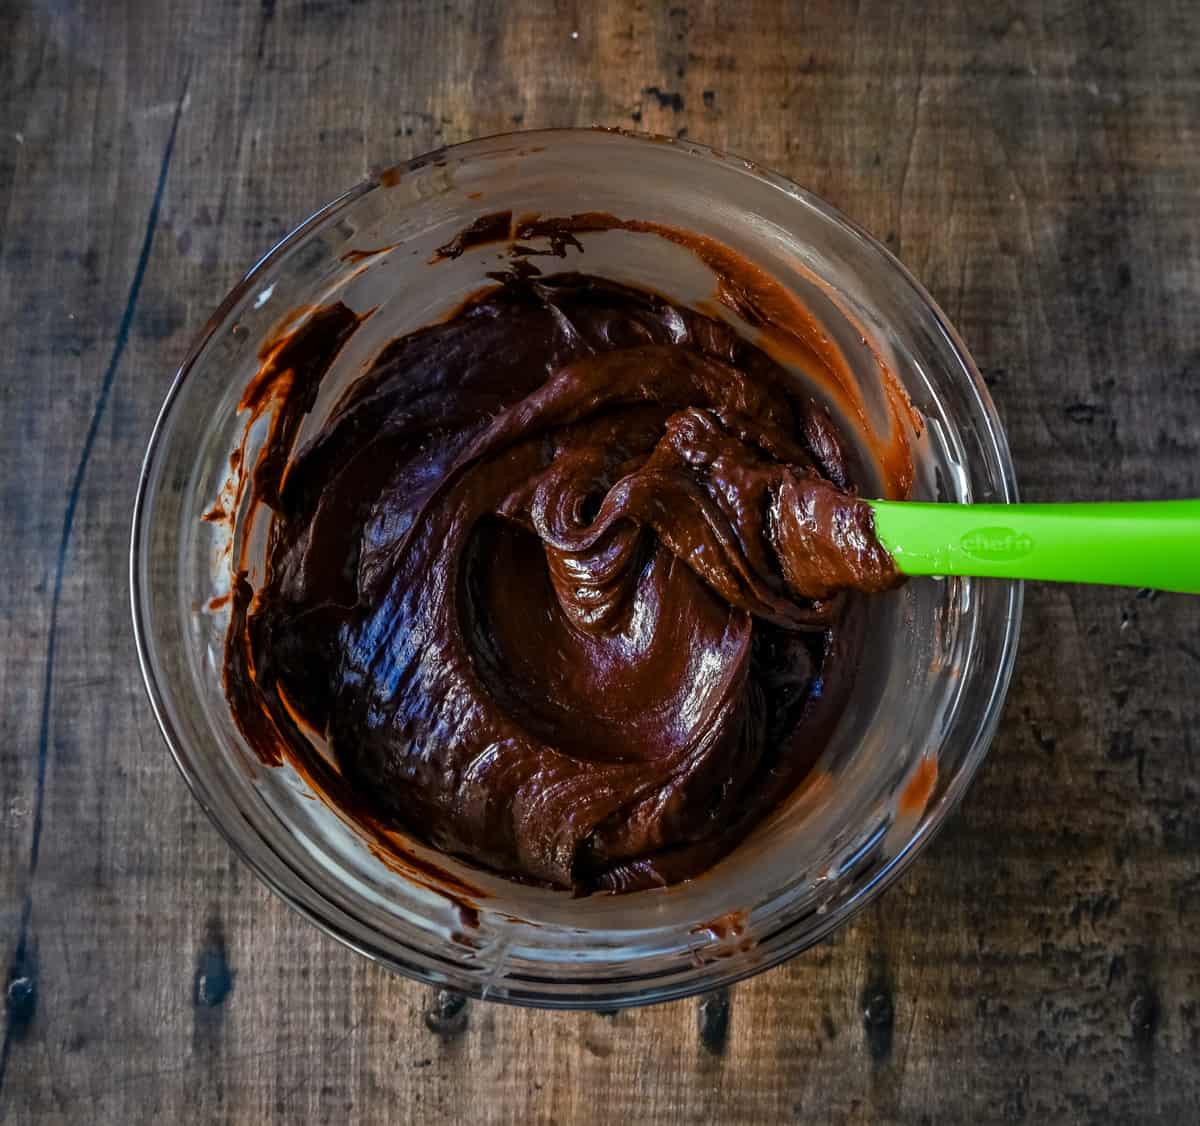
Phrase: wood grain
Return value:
(1036, 164)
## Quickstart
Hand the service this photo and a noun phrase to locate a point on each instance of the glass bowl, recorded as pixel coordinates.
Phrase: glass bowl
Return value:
(942, 650)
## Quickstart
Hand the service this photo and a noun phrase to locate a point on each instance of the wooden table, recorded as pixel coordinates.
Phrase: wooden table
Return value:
(1037, 165)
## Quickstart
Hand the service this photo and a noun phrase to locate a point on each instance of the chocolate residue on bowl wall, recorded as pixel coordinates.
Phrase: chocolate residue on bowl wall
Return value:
(560, 585)
(487, 228)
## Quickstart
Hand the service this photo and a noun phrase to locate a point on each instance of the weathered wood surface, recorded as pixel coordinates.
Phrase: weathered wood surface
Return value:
(1038, 165)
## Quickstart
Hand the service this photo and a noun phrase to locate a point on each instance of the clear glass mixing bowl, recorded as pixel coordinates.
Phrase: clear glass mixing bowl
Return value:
(941, 654)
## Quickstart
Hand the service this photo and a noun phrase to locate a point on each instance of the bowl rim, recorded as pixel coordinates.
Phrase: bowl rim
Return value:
(331, 923)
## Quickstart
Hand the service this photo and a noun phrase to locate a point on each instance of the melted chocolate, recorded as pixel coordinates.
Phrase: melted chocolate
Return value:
(485, 229)
(561, 580)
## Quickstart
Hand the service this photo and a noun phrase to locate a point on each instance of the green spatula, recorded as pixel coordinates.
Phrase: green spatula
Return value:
(1125, 543)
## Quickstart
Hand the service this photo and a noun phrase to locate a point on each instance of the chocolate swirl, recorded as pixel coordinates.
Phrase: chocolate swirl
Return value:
(560, 581)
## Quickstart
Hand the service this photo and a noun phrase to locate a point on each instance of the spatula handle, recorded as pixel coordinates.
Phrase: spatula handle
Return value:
(1123, 543)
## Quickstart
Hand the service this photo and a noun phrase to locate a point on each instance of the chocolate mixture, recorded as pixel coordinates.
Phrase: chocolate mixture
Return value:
(562, 581)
